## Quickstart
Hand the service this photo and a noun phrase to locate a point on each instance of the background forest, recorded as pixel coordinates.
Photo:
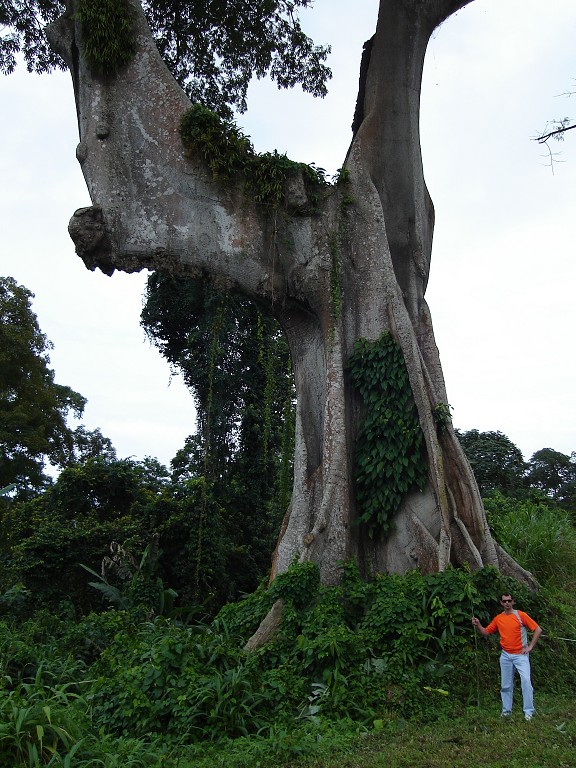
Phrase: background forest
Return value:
(128, 590)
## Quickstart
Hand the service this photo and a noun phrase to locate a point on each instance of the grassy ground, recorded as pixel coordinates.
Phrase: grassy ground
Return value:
(476, 739)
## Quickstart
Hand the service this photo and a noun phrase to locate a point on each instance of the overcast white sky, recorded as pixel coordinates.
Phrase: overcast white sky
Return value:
(503, 272)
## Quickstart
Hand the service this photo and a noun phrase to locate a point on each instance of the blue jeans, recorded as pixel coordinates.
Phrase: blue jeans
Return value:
(521, 663)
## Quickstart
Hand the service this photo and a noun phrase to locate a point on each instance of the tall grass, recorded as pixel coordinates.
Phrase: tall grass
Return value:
(39, 721)
(47, 723)
(542, 538)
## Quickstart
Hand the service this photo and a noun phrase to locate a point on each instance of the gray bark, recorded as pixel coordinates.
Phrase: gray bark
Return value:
(155, 207)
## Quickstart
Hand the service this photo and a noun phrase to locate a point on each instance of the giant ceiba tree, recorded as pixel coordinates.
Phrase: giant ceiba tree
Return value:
(344, 269)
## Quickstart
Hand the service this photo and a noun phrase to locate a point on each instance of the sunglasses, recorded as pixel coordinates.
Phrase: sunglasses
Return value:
(507, 601)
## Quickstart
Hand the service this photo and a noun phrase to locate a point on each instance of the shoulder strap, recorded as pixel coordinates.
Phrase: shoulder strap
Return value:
(523, 633)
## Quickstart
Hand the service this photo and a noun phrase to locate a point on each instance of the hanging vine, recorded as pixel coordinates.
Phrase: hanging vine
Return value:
(267, 362)
(287, 457)
(335, 277)
(215, 332)
(390, 457)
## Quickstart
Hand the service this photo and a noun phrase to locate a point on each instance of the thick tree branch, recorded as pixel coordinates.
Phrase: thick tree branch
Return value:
(433, 11)
(154, 205)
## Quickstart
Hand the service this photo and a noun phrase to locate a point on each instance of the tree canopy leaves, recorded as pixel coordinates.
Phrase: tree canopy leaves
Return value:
(554, 473)
(33, 408)
(215, 47)
(212, 47)
(496, 462)
(22, 25)
(499, 467)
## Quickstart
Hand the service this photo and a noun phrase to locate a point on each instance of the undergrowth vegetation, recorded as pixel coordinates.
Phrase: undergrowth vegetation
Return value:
(126, 688)
(385, 672)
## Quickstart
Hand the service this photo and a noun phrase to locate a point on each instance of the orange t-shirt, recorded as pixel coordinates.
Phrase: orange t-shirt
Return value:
(509, 629)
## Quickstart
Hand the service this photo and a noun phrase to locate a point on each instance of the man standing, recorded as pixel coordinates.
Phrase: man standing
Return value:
(511, 625)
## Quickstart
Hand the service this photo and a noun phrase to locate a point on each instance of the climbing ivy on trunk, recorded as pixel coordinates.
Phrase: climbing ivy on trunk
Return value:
(390, 456)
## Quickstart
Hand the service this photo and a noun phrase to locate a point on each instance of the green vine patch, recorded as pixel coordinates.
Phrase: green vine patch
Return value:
(390, 454)
(108, 32)
(230, 153)
(335, 277)
(442, 415)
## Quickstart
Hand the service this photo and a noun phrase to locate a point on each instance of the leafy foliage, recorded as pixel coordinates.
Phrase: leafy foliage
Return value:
(554, 473)
(74, 521)
(229, 153)
(33, 408)
(496, 462)
(198, 684)
(22, 23)
(46, 722)
(390, 446)
(442, 415)
(108, 35)
(347, 660)
(236, 362)
(140, 586)
(38, 722)
(498, 465)
(213, 48)
(205, 551)
(181, 683)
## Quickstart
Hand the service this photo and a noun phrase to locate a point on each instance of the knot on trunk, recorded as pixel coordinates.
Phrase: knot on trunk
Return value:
(88, 231)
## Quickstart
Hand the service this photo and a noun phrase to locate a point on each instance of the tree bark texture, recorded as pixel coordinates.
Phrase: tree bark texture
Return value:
(157, 207)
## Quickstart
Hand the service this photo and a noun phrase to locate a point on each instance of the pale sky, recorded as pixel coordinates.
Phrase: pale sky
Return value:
(503, 270)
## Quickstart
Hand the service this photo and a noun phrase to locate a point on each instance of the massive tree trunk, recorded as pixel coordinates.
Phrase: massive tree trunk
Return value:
(157, 207)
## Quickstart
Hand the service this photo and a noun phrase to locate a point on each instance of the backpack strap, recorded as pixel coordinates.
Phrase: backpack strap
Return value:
(523, 633)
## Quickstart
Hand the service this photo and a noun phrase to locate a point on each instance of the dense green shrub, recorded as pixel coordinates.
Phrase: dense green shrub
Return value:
(178, 681)
(46, 723)
(47, 539)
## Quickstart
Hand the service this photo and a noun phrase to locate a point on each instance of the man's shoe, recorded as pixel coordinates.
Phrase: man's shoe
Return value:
(505, 714)
(527, 717)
